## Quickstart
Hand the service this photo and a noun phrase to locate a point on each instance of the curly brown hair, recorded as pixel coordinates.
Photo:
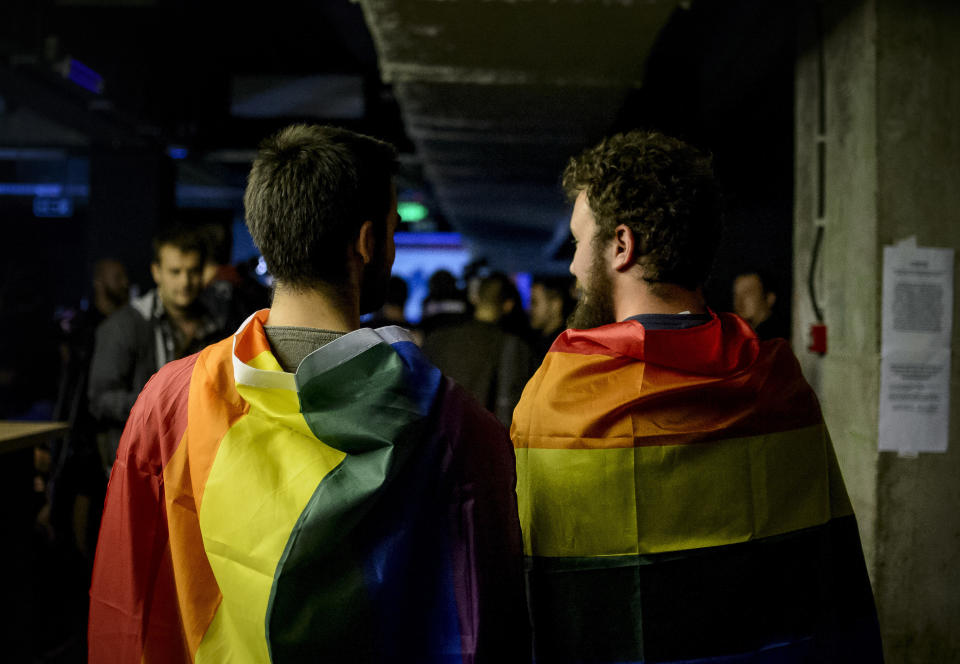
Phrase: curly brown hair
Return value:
(664, 191)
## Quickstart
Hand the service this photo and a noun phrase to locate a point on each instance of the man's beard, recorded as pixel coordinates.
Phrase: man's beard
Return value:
(595, 304)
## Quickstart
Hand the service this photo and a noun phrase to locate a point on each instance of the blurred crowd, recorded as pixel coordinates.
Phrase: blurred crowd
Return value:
(86, 365)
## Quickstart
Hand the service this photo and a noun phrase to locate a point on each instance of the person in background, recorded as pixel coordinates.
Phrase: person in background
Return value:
(549, 308)
(357, 506)
(165, 324)
(679, 494)
(514, 319)
(78, 484)
(445, 303)
(490, 362)
(111, 289)
(229, 292)
(473, 273)
(755, 299)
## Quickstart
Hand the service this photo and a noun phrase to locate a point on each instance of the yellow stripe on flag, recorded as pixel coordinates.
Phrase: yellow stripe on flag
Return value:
(265, 361)
(616, 501)
(268, 466)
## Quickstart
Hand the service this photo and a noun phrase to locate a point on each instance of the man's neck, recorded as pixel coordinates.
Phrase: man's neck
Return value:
(639, 297)
(325, 309)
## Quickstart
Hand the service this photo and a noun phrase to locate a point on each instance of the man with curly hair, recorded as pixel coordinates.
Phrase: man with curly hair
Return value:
(679, 495)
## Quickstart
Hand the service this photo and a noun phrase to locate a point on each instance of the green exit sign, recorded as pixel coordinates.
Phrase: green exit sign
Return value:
(412, 212)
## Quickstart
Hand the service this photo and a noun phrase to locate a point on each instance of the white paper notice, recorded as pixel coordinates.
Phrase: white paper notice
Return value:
(915, 401)
(915, 354)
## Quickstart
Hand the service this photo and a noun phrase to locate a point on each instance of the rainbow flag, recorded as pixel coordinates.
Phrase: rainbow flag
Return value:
(362, 509)
(681, 502)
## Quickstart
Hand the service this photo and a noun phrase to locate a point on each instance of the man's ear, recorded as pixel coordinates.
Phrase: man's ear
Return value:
(771, 298)
(366, 243)
(155, 272)
(623, 248)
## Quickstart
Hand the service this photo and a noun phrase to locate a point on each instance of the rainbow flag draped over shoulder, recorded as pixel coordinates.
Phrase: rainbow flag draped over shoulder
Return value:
(362, 509)
(681, 502)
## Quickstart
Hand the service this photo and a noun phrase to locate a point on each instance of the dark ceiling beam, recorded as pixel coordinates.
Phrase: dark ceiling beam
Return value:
(497, 95)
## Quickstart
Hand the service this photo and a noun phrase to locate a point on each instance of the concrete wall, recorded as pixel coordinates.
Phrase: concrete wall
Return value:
(918, 157)
(892, 138)
(848, 278)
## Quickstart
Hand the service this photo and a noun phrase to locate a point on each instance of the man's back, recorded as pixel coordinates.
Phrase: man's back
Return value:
(680, 501)
(358, 510)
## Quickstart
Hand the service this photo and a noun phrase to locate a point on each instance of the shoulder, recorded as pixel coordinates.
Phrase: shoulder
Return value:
(159, 417)
(779, 356)
(126, 317)
(171, 380)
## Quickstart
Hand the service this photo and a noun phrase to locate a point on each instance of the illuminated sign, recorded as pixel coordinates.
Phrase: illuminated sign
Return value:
(412, 211)
(52, 207)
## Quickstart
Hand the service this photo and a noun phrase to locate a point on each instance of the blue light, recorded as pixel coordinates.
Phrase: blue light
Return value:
(52, 207)
(447, 240)
(85, 77)
(31, 189)
(177, 152)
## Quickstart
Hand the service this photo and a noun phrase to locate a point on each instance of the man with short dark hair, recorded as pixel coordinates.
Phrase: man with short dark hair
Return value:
(678, 490)
(165, 324)
(490, 361)
(548, 311)
(308, 490)
(755, 299)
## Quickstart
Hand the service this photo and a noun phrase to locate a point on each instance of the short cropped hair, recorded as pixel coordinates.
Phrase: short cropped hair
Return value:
(664, 191)
(309, 192)
(179, 236)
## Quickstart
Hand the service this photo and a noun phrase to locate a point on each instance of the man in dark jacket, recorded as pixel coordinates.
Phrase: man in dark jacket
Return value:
(165, 324)
(491, 362)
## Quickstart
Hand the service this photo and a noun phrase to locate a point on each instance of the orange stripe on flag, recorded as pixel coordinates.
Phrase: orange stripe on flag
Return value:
(251, 344)
(578, 401)
(214, 406)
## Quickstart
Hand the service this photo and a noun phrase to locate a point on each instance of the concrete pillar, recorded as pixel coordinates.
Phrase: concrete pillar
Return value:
(878, 159)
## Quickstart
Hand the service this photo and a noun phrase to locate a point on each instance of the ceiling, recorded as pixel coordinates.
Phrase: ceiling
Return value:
(486, 99)
(496, 96)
